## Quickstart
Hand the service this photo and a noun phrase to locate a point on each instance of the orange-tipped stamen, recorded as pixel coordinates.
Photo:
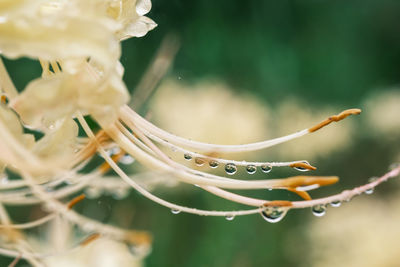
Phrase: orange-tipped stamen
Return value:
(339, 117)
(90, 239)
(303, 165)
(303, 194)
(296, 181)
(76, 200)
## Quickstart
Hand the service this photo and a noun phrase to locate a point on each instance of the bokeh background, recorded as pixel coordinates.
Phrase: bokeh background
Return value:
(251, 70)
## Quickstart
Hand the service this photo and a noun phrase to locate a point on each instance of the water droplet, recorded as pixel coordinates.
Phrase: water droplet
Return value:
(93, 192)
(369, 191)
(273, 214)
(4, 179)
(114, 151)
(229, 217)
(301, 169)
(88, 227)
(336, 204)
(49, 189)
(187, 156)
(49, 207)
(127, 159)
(393, 166)
(266, 168)
(120, 193)
(138, 251)
(175, 211)
(319, 210)
(213, 164)
(199, 161)
(179, 78)
(230, 168)
(251, 169)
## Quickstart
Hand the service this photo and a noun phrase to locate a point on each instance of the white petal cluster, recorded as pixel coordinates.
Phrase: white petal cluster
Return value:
(82, 38)
(78, 45)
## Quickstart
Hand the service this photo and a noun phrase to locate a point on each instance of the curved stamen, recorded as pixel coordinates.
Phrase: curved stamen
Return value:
(129, 114)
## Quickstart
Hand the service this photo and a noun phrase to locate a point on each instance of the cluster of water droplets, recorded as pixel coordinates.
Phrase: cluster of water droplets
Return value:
(230, 168)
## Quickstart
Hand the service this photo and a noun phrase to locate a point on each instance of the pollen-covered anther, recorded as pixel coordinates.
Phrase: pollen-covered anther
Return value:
(339, 117)
(303, 194)
(75, 201)
(303, 165)
(138, 238)
(299, 181)
(278, 203)
(3, 99)
(90, 239)
(90, 148)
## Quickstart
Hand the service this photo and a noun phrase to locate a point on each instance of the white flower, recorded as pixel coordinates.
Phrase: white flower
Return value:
(78, 46)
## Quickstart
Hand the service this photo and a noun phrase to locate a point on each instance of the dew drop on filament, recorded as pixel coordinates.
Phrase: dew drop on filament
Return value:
(266, 168)
(175, 211)
(229, 217)
(273, 214)
(251, 169)
(369, 191)
(336, 204)
(199, 161)
(319, 210)
(187, 156)
(230, 168)
(213, 164)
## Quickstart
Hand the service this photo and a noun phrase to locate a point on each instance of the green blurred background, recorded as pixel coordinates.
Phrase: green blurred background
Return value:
(340, 54)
